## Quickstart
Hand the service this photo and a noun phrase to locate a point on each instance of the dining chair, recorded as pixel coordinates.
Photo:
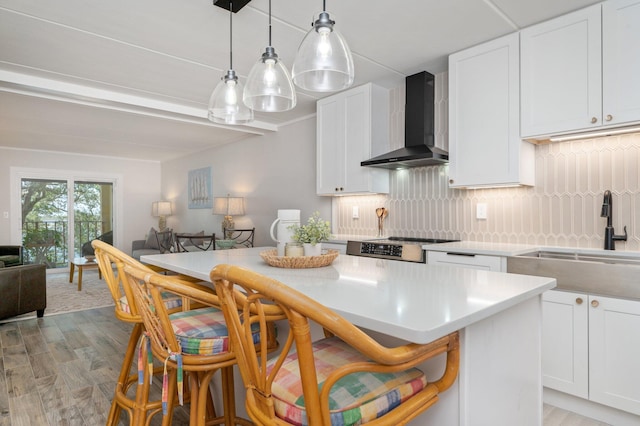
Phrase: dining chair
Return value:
(195, 342)
(165, 240)
(242, 237)
(346, 378)
(194, 242)
(139, 408)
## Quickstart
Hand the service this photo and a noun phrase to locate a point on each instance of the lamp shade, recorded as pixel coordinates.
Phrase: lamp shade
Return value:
(228, 206)
(269, 86)
(324, 62)
(161, 208)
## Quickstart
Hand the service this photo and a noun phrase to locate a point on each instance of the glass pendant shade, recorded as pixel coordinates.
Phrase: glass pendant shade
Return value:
(269, 86)
(225, 106)
(324, 62)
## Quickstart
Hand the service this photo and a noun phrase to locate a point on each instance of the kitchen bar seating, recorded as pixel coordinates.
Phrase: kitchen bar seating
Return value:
(346, 378)
(194, 343)
(140, 409)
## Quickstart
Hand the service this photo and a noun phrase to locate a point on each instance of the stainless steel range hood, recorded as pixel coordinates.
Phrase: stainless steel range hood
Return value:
(419, 138)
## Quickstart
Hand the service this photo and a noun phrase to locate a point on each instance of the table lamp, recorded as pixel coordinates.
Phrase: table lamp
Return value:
(161, 209)
(228, 207)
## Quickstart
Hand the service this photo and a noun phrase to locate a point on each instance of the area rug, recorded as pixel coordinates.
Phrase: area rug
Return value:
(64, 297)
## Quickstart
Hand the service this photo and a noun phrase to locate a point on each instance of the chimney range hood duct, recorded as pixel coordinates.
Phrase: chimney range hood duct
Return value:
(419, 138)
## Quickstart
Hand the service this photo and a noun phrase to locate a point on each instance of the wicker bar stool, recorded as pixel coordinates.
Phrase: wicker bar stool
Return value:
(195, 342)
(139, 409)
(346, 378)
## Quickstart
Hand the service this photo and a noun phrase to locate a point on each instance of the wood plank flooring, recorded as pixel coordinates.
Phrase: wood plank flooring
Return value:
(61, 370)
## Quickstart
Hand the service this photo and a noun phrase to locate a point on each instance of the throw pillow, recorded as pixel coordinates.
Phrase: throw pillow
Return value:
(152, 240)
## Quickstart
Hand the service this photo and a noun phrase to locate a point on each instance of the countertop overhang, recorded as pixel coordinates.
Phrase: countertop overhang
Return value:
(415, 302)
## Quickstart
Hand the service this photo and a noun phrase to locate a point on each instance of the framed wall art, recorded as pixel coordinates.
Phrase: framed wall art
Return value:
(199, 191)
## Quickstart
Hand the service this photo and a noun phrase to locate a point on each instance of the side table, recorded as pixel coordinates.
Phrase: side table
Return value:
(82, 263)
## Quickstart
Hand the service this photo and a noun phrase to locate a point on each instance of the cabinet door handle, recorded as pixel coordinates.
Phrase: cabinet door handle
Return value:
(595, 303)
(609, 117)
(594, 120)
(579, 301)
(451, 181)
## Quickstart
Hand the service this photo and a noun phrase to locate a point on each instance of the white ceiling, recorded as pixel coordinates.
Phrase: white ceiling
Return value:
(133, 78)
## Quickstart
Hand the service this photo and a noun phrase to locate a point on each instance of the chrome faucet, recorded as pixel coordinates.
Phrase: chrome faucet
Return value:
(610, 236)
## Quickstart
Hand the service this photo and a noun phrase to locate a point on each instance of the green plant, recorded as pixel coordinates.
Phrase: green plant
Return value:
(315, 231)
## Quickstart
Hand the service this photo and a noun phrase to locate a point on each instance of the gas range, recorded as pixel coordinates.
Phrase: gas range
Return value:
(404, 249)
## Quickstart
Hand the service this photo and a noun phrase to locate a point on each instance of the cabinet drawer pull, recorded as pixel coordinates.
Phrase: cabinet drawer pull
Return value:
(579, 301)
(594, 120)
(595, 303)
(451, 253)
(451, 181)
(609, 117)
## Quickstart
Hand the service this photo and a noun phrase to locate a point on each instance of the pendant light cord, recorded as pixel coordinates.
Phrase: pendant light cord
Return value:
(231, 35)
(269, 22)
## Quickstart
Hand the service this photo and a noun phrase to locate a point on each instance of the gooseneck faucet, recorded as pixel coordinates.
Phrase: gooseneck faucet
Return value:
(610, 236)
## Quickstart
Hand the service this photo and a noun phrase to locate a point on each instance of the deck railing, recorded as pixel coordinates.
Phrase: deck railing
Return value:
(47, 242)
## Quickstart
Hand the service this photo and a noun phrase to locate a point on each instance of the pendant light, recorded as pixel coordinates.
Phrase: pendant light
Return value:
(323, 62)
(225, 105)
(269, 86)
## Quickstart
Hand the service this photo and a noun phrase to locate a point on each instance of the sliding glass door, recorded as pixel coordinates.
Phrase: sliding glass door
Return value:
(61, 217)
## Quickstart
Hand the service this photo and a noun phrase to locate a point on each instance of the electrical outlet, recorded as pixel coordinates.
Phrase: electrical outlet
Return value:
(355, 212)
(481, 211)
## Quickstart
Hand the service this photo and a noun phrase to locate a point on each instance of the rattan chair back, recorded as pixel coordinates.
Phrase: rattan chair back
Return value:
(247, 297)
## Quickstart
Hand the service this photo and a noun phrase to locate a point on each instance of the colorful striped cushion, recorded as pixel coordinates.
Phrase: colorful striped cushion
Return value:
(203, 331)
(171, 301)
(354, 399)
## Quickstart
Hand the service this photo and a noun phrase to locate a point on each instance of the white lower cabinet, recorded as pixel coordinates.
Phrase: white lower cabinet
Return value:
(591, 348)
(464, 260)
(565, 342)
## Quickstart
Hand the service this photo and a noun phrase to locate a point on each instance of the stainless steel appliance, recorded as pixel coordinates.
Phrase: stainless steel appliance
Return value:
(394, 248)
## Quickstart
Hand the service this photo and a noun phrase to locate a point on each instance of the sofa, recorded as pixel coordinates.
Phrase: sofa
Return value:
(11, 256)
(23, 289)
(157, 242)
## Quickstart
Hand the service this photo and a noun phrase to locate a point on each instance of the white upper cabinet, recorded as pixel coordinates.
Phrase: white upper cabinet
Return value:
(579, 71)
(485, 148)
(352, 126)
(621, 61)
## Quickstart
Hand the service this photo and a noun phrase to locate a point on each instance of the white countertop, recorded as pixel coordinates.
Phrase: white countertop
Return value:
(506, 249)
(415, 302)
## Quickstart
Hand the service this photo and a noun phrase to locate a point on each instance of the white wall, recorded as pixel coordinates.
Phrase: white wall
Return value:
(140, 179)
(274, 171)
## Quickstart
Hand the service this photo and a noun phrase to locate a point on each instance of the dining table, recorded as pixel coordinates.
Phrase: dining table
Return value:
(498, 315)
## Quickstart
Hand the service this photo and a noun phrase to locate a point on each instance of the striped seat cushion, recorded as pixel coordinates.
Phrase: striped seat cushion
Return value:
(171, 301)
(354, 399)
(203, 331)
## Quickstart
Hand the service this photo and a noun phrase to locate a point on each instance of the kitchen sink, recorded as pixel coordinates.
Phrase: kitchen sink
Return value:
(608, 274)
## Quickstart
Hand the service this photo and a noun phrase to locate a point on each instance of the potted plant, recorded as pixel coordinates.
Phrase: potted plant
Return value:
(312, 234)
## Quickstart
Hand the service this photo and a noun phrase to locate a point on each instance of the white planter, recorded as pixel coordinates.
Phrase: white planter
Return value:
(312, 250)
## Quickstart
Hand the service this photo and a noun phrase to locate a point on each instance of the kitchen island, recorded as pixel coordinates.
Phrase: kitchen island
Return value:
(498, 315)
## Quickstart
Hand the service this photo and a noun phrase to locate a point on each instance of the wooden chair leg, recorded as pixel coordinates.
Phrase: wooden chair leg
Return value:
(122, 385)
(228, 396)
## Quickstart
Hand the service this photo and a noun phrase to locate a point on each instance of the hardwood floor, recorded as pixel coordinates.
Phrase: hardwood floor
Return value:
(61, 369)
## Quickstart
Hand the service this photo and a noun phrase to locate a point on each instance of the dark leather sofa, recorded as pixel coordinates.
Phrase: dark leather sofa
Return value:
(10, 256)
(23, 289)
